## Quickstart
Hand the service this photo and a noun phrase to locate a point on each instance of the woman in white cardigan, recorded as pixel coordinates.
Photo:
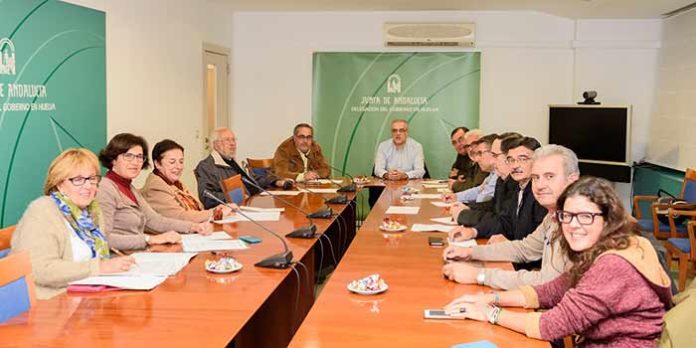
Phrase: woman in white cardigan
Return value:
(63, 230)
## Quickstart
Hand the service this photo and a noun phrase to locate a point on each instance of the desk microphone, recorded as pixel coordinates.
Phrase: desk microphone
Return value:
(282, 260)
(319, 214)
(325, 213)
(302, 232)
(347, 188)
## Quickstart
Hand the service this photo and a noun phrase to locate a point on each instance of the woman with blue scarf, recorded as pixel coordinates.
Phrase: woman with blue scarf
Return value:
(63, 230)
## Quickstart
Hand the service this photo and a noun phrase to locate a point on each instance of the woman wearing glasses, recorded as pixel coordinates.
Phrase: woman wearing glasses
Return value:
(167, 194)
(64, 230)
(615, 292)
(126, 213)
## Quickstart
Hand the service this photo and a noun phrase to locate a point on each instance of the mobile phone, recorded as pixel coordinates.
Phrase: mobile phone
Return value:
(250, 239)
(436, 242)
(438, 314)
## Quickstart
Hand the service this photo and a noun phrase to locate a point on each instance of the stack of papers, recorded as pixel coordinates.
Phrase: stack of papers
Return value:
(431, 228)
(444, 220)
(281, 193)
(434, 186)
(126, 282)
(157, 264)
(397, 209)
(433, 182)
(324, 181)
(217, 241)
(257, 209)
(442, 204)
(256, 216)
(426, 195)
(320, 190)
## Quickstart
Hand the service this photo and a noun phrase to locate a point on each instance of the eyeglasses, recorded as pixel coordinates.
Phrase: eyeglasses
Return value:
(130, 157)
(521, 160)
(81, 180)
(305, 137)
(583, 217)
(480, 153)
(399, 130)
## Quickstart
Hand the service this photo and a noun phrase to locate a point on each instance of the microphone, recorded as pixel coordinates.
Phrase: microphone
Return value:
(348, 188)
(302, 232)
(340, 199)
(279, 261)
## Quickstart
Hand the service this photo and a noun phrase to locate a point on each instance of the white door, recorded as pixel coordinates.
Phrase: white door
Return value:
(216, 92)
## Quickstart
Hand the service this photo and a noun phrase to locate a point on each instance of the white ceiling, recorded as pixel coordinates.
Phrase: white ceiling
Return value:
(564, 8)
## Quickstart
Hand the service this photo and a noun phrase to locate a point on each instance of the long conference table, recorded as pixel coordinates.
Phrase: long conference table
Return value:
(259, 307)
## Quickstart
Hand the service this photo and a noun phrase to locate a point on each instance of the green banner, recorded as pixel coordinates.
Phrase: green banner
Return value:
(52, 93)
(357, 95)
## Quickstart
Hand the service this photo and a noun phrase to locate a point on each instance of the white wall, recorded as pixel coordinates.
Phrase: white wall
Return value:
(672, 141)
(529, 60)
(154, 73)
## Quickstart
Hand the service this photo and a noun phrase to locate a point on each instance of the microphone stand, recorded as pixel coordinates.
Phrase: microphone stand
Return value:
(302, 232)
(278, 261)
(319, 214)
(347, 188)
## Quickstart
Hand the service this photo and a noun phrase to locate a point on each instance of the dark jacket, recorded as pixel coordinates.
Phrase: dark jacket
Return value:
(213, 169)
(469, 174)
(492, 209)
(287, 163)
(512, 225)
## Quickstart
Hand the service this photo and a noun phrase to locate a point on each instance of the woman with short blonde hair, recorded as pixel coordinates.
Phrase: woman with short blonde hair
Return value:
(63, 230)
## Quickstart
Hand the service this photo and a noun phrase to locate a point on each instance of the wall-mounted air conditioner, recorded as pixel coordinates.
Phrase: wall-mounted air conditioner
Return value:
(429, 34)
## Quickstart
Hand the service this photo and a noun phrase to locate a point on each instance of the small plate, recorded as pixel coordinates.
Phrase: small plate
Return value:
(233, 269)
(368, 292)
(402, 228)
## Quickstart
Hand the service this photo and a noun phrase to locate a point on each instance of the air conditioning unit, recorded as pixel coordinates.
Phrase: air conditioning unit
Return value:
(429, 34)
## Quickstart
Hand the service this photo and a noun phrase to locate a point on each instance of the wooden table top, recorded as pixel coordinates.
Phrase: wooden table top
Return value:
(413, 272)
(193, 308)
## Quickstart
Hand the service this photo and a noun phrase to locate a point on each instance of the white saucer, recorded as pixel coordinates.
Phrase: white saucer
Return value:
(402, 228)
(368, 292)
(233, 269)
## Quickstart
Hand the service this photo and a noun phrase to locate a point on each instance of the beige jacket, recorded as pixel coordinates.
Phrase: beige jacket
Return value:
(125, 222)
(535, 246)
(44, 233)
(166, 200)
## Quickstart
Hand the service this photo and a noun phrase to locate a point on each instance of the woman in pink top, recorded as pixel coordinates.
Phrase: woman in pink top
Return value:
(615, 292)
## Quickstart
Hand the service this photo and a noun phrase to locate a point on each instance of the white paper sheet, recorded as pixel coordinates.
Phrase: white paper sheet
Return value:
(431, 228)
(434, 186)
(321, 190)
(444, 190)
(394, 209)
(281, 193)
(124, 282)
(157, 264)
(442, 204)
(434, 182)
(426, 195)
(463, 244)
(257, 209)
(446, 220)
(325, 181)
(213, 236)
(256, 216)
(198, 245)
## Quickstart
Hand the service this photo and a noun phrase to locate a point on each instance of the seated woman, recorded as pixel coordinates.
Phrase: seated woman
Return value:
(167, 195)
(615, 292)
(63, 230)
(126, 213)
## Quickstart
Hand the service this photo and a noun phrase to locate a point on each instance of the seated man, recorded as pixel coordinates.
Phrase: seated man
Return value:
(400, 157)
(483, 192)
(471, 175)
(462, 164)
(299, 157)
(554, 168)
(220, 165)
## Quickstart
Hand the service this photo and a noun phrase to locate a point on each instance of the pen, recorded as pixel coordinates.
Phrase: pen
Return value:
(117, 252)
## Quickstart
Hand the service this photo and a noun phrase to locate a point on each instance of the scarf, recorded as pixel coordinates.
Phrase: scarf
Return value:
(185, 199)
(82, 222)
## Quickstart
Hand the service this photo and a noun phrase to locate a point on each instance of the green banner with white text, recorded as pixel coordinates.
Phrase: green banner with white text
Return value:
(52, 92)
(357, 95)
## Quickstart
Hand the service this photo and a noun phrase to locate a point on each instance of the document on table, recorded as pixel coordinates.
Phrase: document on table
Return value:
(200, 245)
(258, 209)
(128, 282)
(281, 193)
(213, 236)
(434, 182)
(256, 216)
(435, 186)
(431, 228)
(320, 190)
(444, 220)
(463, 244)
(157, 264)
(426, 195)
(324, 181)
(442, 204)
(397, 209)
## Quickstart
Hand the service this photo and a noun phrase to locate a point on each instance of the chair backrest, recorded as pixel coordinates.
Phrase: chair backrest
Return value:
(259, 167)
(234, 189)
(5, 238)
(689, 186)
(17, 292)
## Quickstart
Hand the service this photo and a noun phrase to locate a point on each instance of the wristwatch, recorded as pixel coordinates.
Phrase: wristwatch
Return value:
(481, 277)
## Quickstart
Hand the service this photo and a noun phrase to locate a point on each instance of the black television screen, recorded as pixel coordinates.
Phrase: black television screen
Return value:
(595, 133)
